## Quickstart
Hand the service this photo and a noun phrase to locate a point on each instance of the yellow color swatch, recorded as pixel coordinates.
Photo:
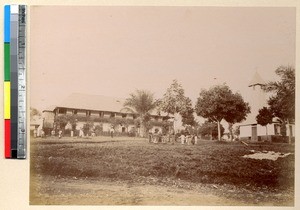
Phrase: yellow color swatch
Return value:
(7, 100)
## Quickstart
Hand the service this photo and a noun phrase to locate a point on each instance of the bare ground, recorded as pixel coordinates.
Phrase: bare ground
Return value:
(60, 191)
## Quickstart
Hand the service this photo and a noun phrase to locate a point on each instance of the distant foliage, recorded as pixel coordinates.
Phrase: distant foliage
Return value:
(34, 112)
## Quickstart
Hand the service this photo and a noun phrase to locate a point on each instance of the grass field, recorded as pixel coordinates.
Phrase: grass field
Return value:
(111, 171)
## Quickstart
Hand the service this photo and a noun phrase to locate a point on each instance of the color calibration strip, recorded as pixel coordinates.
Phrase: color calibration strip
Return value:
(15, 81)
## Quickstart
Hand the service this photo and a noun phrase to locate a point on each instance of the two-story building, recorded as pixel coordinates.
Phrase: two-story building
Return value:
(102, 111)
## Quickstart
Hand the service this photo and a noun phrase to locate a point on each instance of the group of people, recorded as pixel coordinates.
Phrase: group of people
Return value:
(41, 133)
(157, 137)
(188, 139)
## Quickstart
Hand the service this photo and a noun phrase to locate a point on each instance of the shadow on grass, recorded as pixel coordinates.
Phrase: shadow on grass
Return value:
(74, 142)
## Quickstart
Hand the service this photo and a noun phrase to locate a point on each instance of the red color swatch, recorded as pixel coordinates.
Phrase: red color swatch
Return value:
(7, 139)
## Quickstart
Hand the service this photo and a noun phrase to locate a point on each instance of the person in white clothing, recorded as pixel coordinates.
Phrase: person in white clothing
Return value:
(182, 138)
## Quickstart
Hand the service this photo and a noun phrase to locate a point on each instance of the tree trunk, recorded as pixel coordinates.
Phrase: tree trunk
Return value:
(142, 130)
(176, 118)
(288, 130)
(142, 126)
(219, 131)
(267, 132)
(230, 126)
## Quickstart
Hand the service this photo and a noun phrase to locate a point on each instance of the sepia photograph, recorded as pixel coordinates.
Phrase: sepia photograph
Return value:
(162, 105)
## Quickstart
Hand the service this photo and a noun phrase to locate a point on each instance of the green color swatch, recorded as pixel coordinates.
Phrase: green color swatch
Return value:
(6, 62)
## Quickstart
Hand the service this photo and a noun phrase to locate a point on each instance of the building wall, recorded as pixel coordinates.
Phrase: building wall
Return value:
(94, 114)
(246, 131)
(106, 114)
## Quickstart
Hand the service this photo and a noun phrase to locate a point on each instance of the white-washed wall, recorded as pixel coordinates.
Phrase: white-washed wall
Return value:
(129, 116)
(245, 131)
(69, 111)
(106, 127)
(95, 113)
(106, 114)
(118, 115)
(261, 130)
(81, 112)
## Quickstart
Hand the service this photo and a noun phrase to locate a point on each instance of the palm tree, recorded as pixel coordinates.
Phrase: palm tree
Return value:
(141, 102)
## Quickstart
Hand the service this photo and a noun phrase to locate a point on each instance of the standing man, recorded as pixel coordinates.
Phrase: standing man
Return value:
(112, 130)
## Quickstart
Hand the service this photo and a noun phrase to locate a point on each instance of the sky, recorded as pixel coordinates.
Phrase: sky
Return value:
(113, 51)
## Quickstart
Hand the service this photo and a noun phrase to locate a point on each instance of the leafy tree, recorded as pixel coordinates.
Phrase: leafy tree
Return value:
(219, 103)
(187, 114)
(175, 102)
(264, 118)
(141, 102)
(98, 129)
(87, 127)
(34, 112)
(282, 103)
(238, 113)
(210, 129)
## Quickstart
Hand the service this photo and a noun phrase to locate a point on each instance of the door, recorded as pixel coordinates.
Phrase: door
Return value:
(254, 133)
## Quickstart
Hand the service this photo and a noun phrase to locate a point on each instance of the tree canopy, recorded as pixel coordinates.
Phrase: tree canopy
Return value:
(264, 116)
(142, 102)
(218, 103)
(187, 114)
(282, 102)
(175, 102)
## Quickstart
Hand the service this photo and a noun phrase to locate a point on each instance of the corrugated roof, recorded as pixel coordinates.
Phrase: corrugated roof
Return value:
(95, 102)
(256, 80)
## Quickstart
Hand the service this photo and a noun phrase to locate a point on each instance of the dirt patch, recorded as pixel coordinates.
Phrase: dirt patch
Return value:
(60, 191)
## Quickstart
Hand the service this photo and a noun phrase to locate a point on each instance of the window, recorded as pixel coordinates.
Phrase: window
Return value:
(75, 111)
(112, 115)
(123, 115)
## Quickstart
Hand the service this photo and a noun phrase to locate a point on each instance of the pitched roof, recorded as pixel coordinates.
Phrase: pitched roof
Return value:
(256, 80)
(49, 108)
(96, 102)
